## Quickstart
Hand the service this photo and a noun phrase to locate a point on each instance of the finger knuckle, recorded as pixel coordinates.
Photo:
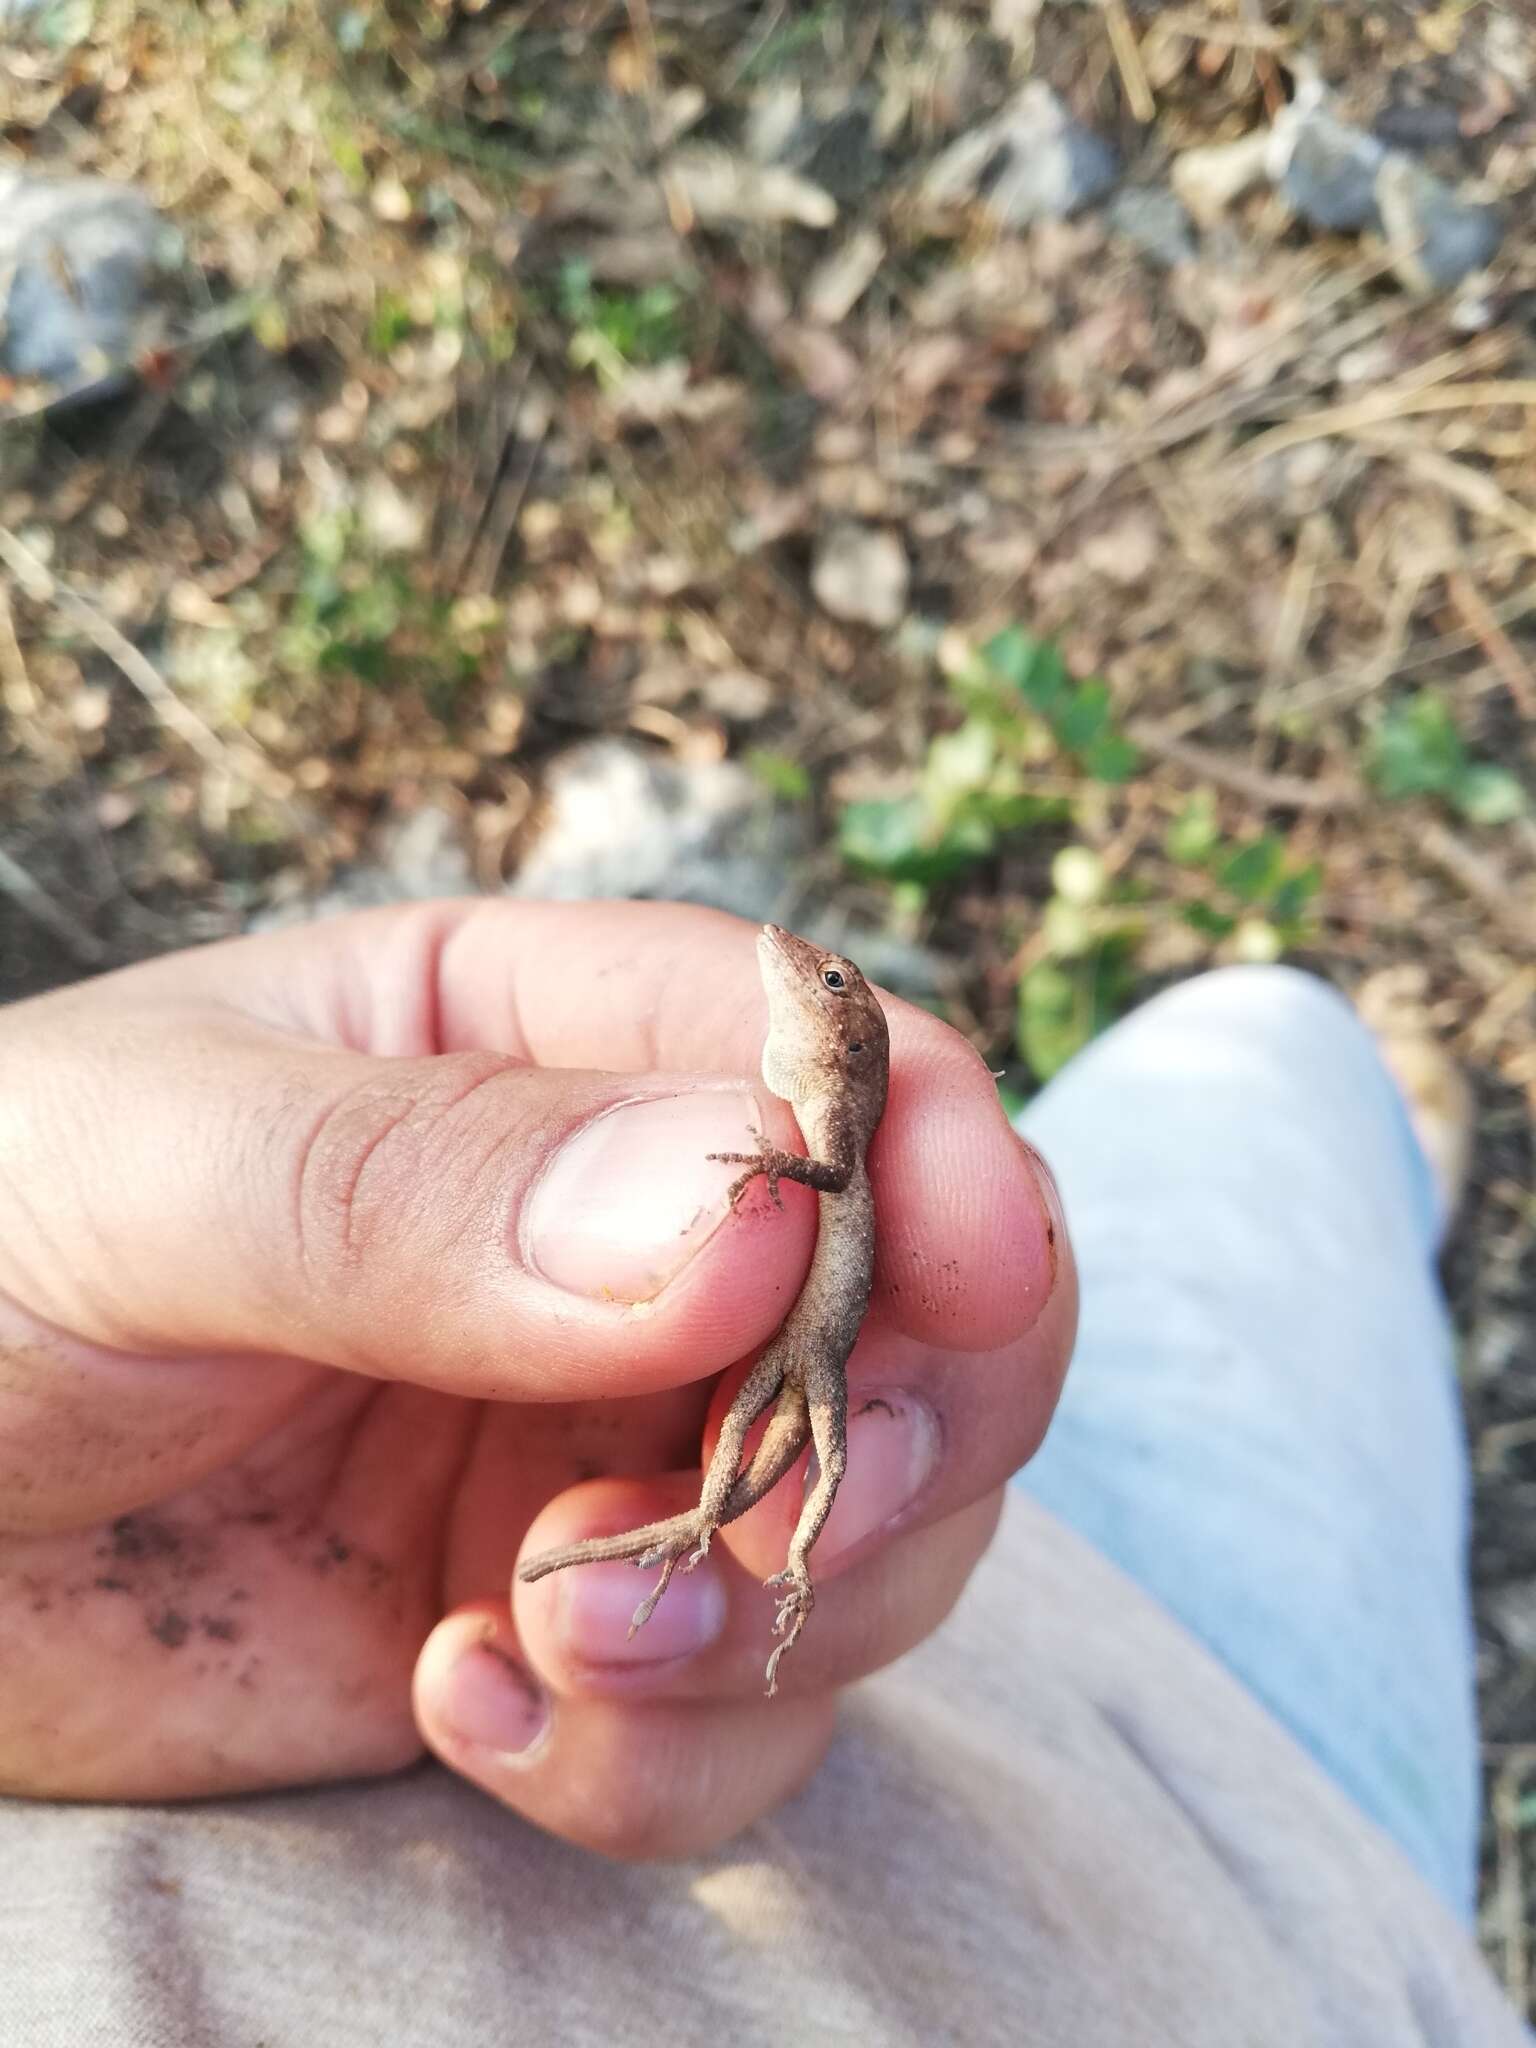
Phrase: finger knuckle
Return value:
(364, 1160)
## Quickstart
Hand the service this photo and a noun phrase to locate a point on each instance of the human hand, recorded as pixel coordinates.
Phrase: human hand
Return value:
(340, 1265)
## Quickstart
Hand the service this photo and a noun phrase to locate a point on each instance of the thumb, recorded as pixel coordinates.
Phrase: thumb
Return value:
(191, 1180)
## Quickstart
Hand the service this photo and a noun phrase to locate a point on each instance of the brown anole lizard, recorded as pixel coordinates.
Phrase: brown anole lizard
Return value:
(827, 1054)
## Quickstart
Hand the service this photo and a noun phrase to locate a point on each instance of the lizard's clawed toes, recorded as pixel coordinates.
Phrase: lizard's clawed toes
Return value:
(763, 1161)
(669, 1556)
(793, 1613)
(647, 1607)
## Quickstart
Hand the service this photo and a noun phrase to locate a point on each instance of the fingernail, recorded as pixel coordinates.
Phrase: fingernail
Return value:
(597, 1605)
(493, 1701)
(629, 1198)
(1050, 1202)
(893, 1447)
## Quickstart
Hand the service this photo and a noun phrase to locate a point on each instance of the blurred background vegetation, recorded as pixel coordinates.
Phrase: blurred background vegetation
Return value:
(1041, 494)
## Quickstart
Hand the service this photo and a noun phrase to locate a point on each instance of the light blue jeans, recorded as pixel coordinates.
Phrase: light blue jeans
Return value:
(1261, 1423)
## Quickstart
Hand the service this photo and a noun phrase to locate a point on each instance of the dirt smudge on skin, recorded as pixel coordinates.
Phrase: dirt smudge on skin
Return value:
(171, 1628)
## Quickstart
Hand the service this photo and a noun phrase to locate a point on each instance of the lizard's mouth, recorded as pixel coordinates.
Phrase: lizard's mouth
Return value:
(784, 962)
(783, 950)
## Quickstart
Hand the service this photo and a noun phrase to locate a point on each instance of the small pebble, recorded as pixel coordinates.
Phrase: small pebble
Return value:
(861, 575)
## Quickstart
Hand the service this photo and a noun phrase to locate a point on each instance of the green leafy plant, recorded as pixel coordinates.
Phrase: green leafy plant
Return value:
(1417, 750)
(615, 331)
(1037, 747)
(390, 323)
(1078, 714)
(1251, 888)
(780, 774)
(987, 778)
(1084, 979)
(355, 611)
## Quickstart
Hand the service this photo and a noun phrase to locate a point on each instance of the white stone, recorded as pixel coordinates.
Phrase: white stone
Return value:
(861, 574)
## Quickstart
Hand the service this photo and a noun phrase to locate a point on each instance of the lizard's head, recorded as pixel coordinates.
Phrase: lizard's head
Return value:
(826, 1030)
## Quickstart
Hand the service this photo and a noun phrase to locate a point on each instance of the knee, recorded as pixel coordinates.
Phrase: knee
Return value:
(1276, 1010)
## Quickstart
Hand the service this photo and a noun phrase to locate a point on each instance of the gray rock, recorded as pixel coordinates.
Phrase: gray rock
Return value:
(861, 574)
(823, 136)
(81, 256)
(1339, 178)
(1325, 169)
(1436, 237)
(1030, 162)
(621, 819)
(1155, 222)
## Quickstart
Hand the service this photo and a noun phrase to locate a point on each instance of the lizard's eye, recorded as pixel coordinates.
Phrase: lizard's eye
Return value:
(857, 1045)
(833, 978)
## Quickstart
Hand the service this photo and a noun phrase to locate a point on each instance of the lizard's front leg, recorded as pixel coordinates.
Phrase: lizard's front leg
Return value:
(826, 1389)
(827, 1176)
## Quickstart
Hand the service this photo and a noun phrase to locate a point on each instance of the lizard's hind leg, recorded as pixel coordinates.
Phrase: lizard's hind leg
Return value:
(752, 1397)
(828, 1405)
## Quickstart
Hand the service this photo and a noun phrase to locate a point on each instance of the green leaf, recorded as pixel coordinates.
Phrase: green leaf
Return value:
(1255, 869)
(1051, 1025)
(1416, 750)
(1488, 795)
(894, 838)
(1208, 921)
(1112, 759)
(1012, 812)
(1294, 892)
(1010, 654)
(573, 290)
(883, 834)
(1034, 668)
(781, 774)
(959, 764)
(392, 321)
(1084, 717)
(1063, 1004)
(1194, 834)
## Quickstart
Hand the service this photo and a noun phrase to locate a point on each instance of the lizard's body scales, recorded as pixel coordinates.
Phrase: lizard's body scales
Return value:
(826, 1053)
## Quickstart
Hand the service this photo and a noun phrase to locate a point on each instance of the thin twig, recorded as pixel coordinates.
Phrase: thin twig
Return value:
(239, 756)
(1475, 488)
(457, 570)
(1398, 660)
(1275, 792)
(1494, 641)
(1202, 28)
(1482, 880)
(30, 896)
(485, 563)
(1164, 423)
(1380, 406)
(18, 692)
(1127, 54)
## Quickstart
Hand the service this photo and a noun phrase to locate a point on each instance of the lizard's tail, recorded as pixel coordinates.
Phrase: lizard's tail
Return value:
(784, 1439)
(670, 1535)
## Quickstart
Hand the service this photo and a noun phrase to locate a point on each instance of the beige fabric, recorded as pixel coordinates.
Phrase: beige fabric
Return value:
(1060, 1824)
